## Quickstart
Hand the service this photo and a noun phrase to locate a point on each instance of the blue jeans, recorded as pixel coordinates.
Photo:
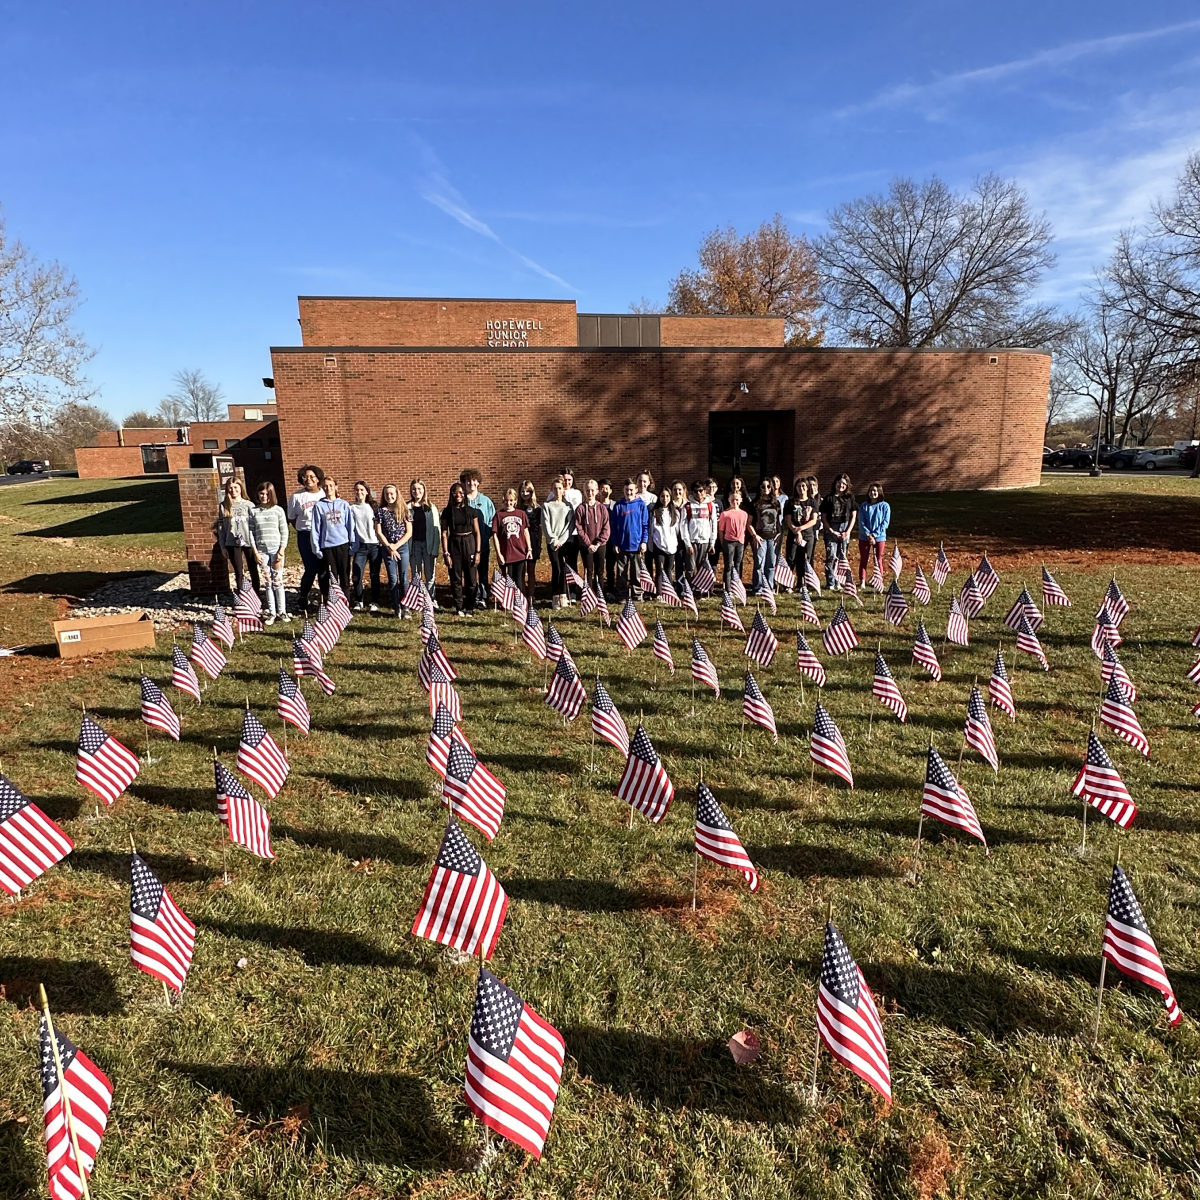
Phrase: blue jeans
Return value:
(397, 573)
(765, 554)
(835, 549)
(367, 553)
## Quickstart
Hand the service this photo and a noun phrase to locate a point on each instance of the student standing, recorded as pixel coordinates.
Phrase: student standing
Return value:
(510, 532)
(629, 523)
(426, 543)
(874, 517)
(368, 552)
(471, 479)
(394, 531)
(592, 533)
(573, 498)
(558, 524)
(839, 511)
(333, 534)
(610, 551)
(269, 537)
(768, 531)
(698, 529)
(460, 548)
(299, 512)
(533, 514)
(731, 533)
(571, 494)
(233, 534)
(664, 537)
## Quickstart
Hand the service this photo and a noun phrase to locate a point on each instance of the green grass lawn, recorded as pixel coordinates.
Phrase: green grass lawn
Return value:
(330, 1062)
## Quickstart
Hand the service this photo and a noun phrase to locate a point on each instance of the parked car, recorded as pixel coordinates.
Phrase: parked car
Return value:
(29, 466)
(1119, 457)
(1163, 458)
(1072, 456)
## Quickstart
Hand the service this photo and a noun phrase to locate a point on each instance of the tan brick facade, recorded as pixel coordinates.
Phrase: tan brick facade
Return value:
(722, 331)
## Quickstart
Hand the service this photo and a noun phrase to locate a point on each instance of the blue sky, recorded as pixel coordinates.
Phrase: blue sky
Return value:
(197, 166)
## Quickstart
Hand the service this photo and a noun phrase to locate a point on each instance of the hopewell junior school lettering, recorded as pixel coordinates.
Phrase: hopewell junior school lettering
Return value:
(511, 335)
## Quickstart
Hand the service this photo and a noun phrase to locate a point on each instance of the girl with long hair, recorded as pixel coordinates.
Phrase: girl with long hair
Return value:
(233, 534)
(460, 548)
(426, 543)
(394, 531)
(269, 537)
(533, 514)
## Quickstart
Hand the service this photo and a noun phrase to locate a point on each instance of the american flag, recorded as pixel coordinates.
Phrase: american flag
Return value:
(1024, 606)
(1105, 632)
(1129, 946)
(808, 611)
(662, 649)
(434, 656)
(222, 627)
(574, 577)
(339, 606)
(884, 689)
(755, 707)
(308, 633)
(765, 593)
(437, 749)
(441, 691)
(667, 593)
(761, 643)
(502, 589)
(839, 636)
(729, 614)
(895, 607)
(587, 602)
(875, 582)
(1111, 667)
(947, 800)
(644, 784)
(807, 662)
(897, 563)
(606, 721)
(566, 693)
(102, 763)
(514, 1065)
(923, 652)
(784, 576)
(182, 675)
(534, 635)
(999, 688)
(464, 904)
(920, 591)
(735, 585)
(703, 669)
(978, 729)
(826, 746)
(986, 577)
(306, 660)
(1099, 783)
(716, 840)
(1118, 606)
(1052, 593)
(414, 595)
(1117, 713)
(291, 705)
(703, 578)
(325, 631)
(259, 757)
(519, 608)
(602, 604)
(89, 1095)
(1028, 643)
(971, 598)
(645, 580)
(687, 597)
(629, 626)
(847, 1019)
(247, 608)
(554, 642)
(248, 822)
(941, 567)
(161, 938)
(846, 579)
(1196, 637)
(30, 843)
(472, 791)
(206, 653)
(156, 709)
(956, 625)
(811, 578)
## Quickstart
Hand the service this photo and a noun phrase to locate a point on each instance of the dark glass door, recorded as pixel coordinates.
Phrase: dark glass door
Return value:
(737, 445)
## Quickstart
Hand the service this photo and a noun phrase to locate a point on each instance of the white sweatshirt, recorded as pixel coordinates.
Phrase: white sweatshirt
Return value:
(699, 524)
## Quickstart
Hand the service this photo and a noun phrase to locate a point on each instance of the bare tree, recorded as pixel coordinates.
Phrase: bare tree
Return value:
(55, 436)
(194, 399)
(1061, 397)
(41, 354)
(646, 307)
(924, 266)
(144, 420)
(770, 272)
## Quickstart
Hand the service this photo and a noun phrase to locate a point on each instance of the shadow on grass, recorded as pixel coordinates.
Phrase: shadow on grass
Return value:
(67, 585)
(59, 807)
(1087, 968)
(114, 864)
(353, 846)
(318, 947)
(818, 862)
(20, 1171)
(531, 762)
(934, 831)
(363, 1116)
(373, 785)
(583, 895)
(180, 799)
(680, 1074)
(150, 507)
(73, 986)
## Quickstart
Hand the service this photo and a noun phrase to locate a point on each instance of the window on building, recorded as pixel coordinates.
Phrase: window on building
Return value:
(272, 441)
(252, 414)
(211, 444)
(231, 442)
(254, 443)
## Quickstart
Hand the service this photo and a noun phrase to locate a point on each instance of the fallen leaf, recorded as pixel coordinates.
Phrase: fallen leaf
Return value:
(744, 1047)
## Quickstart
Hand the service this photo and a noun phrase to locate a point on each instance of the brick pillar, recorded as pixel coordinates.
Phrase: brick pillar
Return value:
(199, 498)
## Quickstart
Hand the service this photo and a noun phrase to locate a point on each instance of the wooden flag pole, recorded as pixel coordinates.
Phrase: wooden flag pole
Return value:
(63, 1092)
(1103, 965)
(695, 849)
(921, 817)
(817, 1047)
(963, 748)
(592, 765)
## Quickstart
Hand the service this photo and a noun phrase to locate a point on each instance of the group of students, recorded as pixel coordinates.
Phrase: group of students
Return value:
(604, 537)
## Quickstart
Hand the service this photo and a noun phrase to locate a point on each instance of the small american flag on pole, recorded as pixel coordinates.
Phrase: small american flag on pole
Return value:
(437, 748)
(807, 662)
(339, 606)
(325, 631)
(629, 626)
(1052, 594)
(574, 577)
(248, 822)
(1111, 667)
(432, 656)
(1027, 643)
(222, 627)
(923, 653)
(472, 791)
(102, 763)
(182, 675)
(895, 607)
(247, 608)
(941, 567)
(30, 843)
(827, 748)
(662, 648)
(1117, 713)
(519, 609)
(761, 643)
(206, 654)
(587, 602)
(687, 597)
(703, 578)
(306, 660)
(1118, 606)
(606, 721)
(839, 636)
(464, 905)
(729, 614)
(920, 591)
(735, 585)
(1105, 632)
(783, 575)
(703, 669)
(1000, 688)
(716, 840)
(956, 625)
(501, 589)
(1023, 605)
(161, 938)
(897, 563)
(1100, 784)
(755, 707)
(156, 709)
(644, 784)
(978, 729)
(847, 1019)
(534, 635)
(845, 579)
(645, 580)
(808, 611)
(765, 594)
(566, 693)
(414, 595)
(884, 689)
(441, 691)
(554, 642)
(1129, 946)
(811, 578)
(291, 705)
(259, 757)
(514, 1065)
(986, 578)
(971, 598)
(945, 799)
(667, 594)
(875, 582)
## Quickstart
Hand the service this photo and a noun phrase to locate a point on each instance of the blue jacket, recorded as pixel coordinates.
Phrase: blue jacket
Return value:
(629, 524)
(333, 525)
(873, 520)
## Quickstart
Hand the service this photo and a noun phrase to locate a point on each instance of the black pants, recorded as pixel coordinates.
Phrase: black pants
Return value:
(685, 561)
(463, 578)
(664, 564)
(627, 572)
(611, 554)
(483, 575)
(337, 565)
(593, 564)
(244, 560)
(515, 571)
(557, 574)
(732, 553)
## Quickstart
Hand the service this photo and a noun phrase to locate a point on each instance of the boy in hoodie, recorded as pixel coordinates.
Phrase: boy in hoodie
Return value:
(629, 525)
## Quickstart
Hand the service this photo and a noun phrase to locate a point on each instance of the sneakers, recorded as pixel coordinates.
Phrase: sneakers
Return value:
(398, 615)
(269, 620)
(372, 608)
(358, 606)
(459, 613)
(286, 618)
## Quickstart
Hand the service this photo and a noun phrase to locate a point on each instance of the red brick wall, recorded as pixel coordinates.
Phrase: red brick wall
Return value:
(108, 462)
(384, 321)
(917, 420)
(722, 331)
(135, 437)
(208, 569)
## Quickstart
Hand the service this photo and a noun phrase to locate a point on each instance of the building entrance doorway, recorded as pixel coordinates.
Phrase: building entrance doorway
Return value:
(737, 445)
